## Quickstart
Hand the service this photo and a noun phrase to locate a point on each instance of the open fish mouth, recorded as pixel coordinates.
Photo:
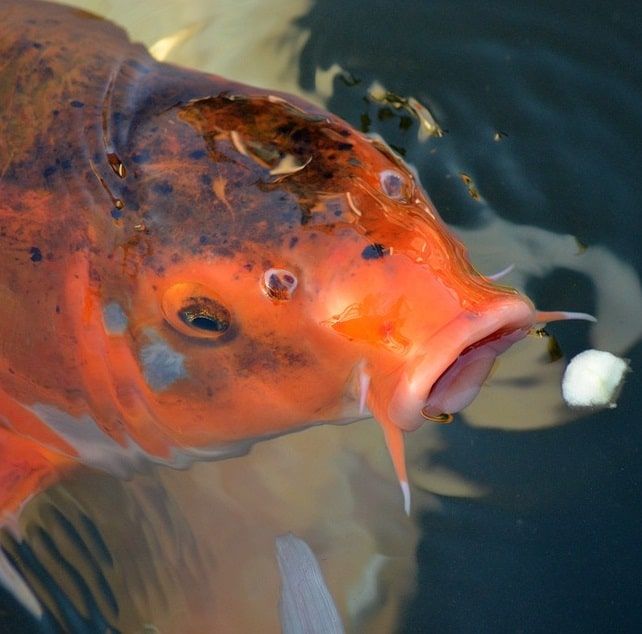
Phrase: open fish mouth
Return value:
(451, 367)
(456, 362)
(460, 383)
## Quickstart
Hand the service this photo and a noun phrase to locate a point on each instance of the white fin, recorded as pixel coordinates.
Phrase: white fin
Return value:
(306, 606)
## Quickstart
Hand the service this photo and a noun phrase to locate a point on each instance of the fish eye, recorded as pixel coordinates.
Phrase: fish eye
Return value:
(195, 310)
(393, 184)
(279, 284)
(204, 314)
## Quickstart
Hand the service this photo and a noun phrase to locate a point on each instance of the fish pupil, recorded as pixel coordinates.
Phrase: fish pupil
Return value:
(206, 316)
(207, 323)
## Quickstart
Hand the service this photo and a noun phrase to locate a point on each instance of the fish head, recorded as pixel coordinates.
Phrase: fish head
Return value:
(299, 275)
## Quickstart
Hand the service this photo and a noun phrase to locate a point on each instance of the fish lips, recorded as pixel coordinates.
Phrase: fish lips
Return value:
(455, 362)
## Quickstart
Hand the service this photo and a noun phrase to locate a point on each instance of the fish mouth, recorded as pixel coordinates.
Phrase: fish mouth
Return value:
(455, 362)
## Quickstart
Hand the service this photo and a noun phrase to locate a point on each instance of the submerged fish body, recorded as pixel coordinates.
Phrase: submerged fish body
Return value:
(189, 265)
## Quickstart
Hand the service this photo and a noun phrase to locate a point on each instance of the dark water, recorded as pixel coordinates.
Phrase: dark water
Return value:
(555, 544)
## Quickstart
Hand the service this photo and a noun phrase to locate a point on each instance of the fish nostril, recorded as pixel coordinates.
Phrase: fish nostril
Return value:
(279, 284)
(394, 185)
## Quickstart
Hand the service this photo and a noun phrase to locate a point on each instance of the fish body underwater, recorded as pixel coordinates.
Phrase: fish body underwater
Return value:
(190, 265)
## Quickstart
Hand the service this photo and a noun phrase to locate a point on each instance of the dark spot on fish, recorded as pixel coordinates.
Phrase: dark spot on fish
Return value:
(36, 45)
(55, 113)
(35, 254)
(197, 154)
(141, 157)
(77, 104)
(164, 188)
(203, 239)
(209, 391)
(302, 135)
(306, 215)
(206, 179)
(293, 241)
(345, 133)
(65, 164)
(48, 171)
(248, 266)
(116, 214)
(129, 199)
(344, 146)
(373, 252)
(57, 309)
(285, 128)
(117, 117)
(328, 175)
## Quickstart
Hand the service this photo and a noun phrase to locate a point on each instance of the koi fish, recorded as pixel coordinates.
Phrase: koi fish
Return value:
(190, 265)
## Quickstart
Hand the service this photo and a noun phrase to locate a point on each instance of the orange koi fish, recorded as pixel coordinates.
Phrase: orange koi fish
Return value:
(190, 265)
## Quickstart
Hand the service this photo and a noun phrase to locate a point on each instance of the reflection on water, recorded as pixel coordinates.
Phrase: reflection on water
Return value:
(515, 531)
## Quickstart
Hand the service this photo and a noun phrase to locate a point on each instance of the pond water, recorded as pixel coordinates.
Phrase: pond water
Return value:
(526, 515)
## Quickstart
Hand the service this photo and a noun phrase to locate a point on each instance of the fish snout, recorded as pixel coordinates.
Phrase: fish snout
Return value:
(451, 366)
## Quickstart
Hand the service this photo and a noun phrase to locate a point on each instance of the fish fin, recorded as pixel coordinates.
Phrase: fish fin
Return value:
(395, 442)
(25, 469)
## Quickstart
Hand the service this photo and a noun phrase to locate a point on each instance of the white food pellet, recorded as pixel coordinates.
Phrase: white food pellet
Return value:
(593, 379)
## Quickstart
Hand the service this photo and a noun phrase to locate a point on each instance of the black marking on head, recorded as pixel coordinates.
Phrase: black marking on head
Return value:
(197, 154)
(164, 188)
(77, 104)
(35, 254)
(306, 215)
(141, 157)
(373, 252)
(48, 171)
